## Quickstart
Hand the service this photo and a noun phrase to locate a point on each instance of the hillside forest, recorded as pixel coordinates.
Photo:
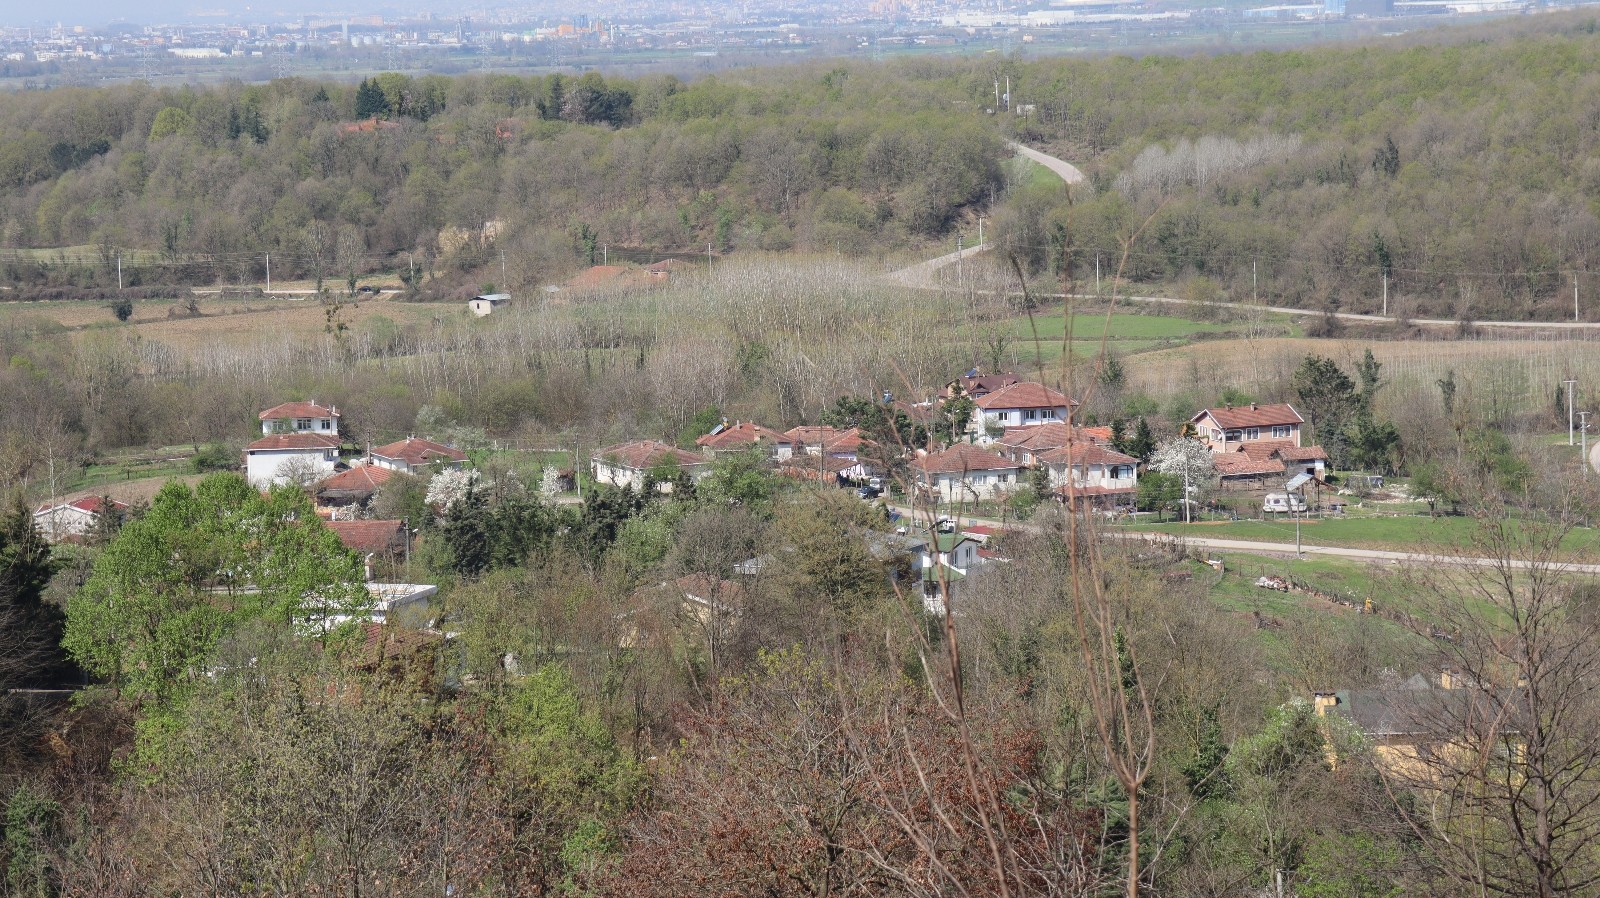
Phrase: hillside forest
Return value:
(1458, 167)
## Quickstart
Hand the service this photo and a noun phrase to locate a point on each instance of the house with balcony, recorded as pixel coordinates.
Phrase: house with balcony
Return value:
(1225, 429)
(965, 473)
(1024, 404)
(1087, 471)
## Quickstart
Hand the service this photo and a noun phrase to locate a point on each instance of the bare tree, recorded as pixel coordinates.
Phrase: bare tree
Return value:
(1502, 783)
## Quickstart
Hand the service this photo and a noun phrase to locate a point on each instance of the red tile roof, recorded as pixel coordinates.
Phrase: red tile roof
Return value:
(742, 435)
(1086, 453)
(1024, 395)
(370, 536)
(90, 504)
(641, 455)
(1260, 450)
(961, 458)
(707, 588)
(290, 441)
(1238, 464)
(361, 478)
(1050, 435)
(1231, 418)
(982, 384)
(1303, 453)
(299, 410)
(416, 451)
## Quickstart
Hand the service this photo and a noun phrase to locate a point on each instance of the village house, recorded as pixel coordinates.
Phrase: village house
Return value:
(1425, 717)
(413, 455)
(1264, 465)
(1025, 444)
(1223, 429)
(379, 543)
(59, 522)
(1088, 471)
(629, 464)
(976, 384)
(964, 473)
(290, 458)
(740, 436)
(299, 445)
(1024, 404)
(351, 490)
(300, 417)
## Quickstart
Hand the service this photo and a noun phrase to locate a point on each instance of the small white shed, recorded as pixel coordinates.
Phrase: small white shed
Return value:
(483, 305)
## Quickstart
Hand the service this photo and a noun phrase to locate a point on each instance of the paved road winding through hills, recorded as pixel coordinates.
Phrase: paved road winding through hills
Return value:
(918, 276)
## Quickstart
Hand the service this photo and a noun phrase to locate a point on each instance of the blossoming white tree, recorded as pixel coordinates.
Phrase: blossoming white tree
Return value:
(1190, 459)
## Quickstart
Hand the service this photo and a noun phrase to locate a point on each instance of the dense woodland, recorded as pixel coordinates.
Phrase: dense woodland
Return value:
(1458, 166)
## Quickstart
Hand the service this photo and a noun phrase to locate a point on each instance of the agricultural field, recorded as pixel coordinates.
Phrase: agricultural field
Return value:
(1523, 370)
(223, 320)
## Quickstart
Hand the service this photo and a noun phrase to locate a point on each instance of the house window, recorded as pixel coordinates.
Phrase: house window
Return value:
(324, 424)
(1253, 433)
(302, 424)
(1033, 414)
(1281, 431)
(330, 455)
(1231, 436)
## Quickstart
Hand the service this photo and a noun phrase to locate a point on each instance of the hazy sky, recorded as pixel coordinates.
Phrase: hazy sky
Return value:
(95, 13)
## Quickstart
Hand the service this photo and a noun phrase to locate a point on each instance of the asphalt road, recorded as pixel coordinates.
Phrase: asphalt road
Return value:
(1309, 551)
(1065, 169)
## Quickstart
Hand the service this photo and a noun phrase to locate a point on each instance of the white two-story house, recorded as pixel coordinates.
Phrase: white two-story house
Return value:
(299, 445)
(1024, 404)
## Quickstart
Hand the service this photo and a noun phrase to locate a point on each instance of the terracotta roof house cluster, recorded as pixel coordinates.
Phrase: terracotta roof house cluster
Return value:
(1257, 447)
(300, 444)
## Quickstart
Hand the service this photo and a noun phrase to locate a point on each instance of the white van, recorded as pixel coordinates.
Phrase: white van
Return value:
(1283, 502)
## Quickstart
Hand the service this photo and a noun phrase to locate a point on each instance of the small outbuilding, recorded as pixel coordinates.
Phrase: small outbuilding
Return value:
(487, 303)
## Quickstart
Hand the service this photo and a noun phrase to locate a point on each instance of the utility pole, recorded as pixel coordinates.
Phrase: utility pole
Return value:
(1574, 296)
(1008, 93)
(502, 269)
(119, 271)
(1097, 273)
(605, 254)
(1583, 431)
(961, 274)
(1570, 384)
(269, 272)
(980, 230)
(1188, 518)
(708, 258)
(1254, 292)
(1296, 506)
(1386, 294)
